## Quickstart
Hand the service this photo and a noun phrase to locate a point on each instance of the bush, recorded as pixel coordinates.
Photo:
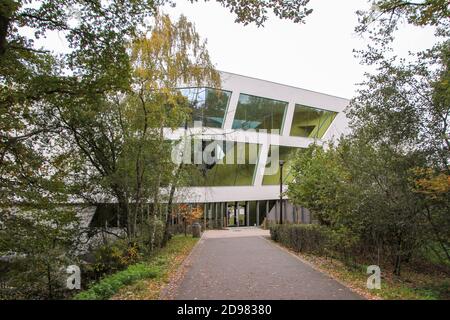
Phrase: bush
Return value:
(151, 234)
(303, 238)
(110, 285)
(112, 257)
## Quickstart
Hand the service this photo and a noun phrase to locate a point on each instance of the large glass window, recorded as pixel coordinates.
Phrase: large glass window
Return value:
(259, 113)
(272, 171)
(311, 122)
(209, 106)
(229, 164)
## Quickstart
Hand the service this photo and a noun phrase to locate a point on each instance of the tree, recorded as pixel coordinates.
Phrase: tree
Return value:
(95, 65)
(33, 80)
(85, 123)
(364, 195)
(405, 104)
(122, 137)
(189, 215)
(256, 11)
(384, 17)
(386, 182)
(40, 245)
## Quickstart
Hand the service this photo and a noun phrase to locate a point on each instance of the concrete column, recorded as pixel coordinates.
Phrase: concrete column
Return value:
(257, 214)
(267, 209)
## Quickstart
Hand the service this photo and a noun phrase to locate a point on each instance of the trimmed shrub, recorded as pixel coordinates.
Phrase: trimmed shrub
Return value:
(309, 238)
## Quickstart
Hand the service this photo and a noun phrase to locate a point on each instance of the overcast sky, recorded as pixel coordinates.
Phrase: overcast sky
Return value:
(316, 55)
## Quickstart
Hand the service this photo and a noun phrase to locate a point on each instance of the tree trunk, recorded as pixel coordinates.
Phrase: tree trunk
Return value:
(169, 205)
(49, 282)
(122, 200)
(5, 20)
(398, 256)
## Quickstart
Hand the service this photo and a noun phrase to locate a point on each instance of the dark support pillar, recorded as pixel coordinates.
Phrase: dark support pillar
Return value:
(267, 210)
(247, 213)
(221, 215)
(227, 216)
(281, 191)
(185, 220)
(277, 211)
(257, 214)
(301, 215)
(215, 215)
(205, 209)
(238, 209)
(235, 213)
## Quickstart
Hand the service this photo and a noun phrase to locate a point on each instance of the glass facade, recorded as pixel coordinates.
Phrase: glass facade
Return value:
(231, 164)
(286, 154)
(259, 113)
(209, 106)
(311, 122)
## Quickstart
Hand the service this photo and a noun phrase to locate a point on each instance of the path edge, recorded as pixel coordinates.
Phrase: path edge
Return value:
(359, 292)
(169, 290)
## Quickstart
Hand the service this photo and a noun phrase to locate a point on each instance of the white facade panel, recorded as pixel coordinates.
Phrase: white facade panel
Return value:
(238, 85)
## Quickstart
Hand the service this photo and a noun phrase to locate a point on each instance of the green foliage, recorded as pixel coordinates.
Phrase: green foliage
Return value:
(115, 256)
(384, 189)
(86, 123)
(383, 19)
(155, 266)
(256, 11)
(111, 284)
(41, 244)
(151, 234)
(366, 197)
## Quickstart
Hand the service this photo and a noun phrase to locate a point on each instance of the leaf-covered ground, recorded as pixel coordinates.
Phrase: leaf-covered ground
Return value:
(430, 284)
(167, 263)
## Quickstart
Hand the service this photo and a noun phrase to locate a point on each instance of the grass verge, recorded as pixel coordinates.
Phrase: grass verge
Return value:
(412, 285)
(144, 280)
(168, 262)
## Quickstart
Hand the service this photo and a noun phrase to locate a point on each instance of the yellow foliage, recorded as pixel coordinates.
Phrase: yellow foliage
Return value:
(191, 215)
(172, 56)
(430, 183)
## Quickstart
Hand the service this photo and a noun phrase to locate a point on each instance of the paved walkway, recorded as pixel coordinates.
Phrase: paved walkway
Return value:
(240, 264)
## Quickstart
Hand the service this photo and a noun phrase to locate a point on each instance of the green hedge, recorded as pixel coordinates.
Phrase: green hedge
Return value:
(110, 285)
(308, 238)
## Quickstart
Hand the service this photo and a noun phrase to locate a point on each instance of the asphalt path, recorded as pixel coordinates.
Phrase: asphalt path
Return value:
(240, 264)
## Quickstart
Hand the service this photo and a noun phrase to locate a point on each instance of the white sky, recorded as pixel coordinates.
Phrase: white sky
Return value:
(316, 56)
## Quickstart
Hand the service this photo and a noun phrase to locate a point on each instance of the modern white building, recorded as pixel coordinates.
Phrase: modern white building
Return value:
(248, 121)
